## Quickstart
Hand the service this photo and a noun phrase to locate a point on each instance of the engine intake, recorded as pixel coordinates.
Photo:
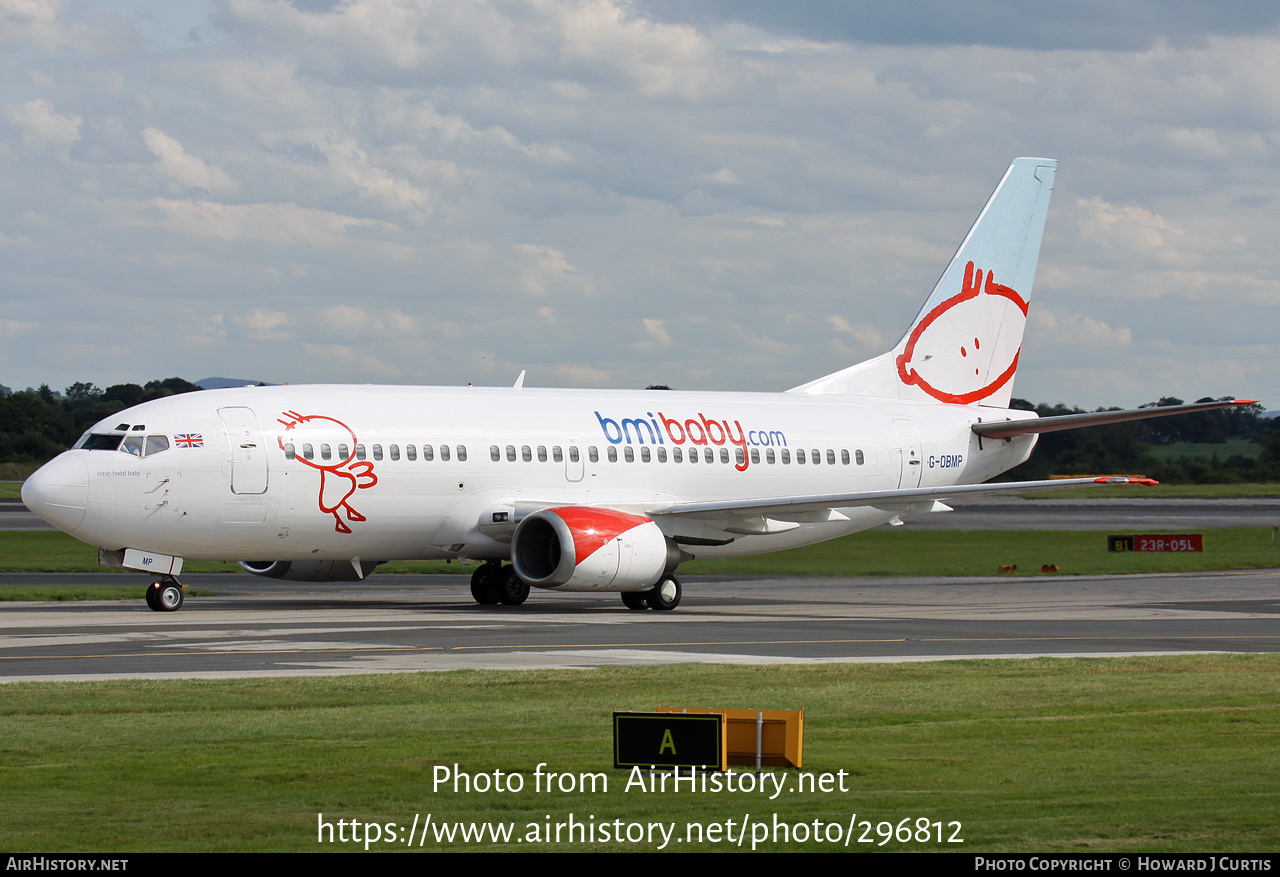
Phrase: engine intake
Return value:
(578, 548)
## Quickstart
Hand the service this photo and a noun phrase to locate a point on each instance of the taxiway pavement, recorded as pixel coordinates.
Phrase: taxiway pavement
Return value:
(400, 623)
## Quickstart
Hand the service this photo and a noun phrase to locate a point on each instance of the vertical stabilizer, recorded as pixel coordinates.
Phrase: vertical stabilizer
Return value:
(963, 346)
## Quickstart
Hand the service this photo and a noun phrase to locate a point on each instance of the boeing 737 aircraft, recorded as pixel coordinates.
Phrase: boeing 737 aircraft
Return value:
(576, 490)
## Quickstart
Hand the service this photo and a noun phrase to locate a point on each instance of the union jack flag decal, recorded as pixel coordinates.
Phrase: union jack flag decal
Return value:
(189, 440)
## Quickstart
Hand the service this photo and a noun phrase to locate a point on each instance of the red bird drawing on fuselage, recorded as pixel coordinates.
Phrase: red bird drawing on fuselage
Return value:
(339, 478)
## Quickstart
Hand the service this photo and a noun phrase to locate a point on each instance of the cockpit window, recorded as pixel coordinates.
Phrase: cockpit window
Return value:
(156, 444)
(96, 441)
(133, 445)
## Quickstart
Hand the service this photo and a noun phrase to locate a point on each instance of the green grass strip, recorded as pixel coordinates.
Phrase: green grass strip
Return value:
(900, 551)
(1130, 755)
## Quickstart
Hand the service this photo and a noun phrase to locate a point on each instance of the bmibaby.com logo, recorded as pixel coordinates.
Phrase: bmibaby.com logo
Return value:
(694, 430)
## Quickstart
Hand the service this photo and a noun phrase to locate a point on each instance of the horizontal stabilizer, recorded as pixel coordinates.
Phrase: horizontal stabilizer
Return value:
(1035, 425)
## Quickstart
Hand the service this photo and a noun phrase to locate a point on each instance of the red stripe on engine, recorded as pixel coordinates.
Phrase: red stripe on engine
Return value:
(593, 527)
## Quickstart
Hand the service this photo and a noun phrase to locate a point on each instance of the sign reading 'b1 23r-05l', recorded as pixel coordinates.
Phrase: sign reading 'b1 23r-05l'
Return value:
(577, 490)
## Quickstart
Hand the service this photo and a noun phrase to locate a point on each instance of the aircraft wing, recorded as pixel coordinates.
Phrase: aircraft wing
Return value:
(910, 499)
(1003, 429)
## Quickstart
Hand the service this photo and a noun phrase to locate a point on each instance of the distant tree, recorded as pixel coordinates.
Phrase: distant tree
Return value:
(169, 387)
(81, 390)
(125, 394)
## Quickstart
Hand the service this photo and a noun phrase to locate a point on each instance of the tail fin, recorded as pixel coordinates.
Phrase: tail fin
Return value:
(963, 346)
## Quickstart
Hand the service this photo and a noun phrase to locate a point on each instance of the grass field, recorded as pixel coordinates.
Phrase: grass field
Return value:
(900, 551)
(1250, 450)
(1130, 755)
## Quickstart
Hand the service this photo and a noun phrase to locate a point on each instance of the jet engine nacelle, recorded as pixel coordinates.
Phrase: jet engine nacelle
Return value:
(309, 570)
(578, 548)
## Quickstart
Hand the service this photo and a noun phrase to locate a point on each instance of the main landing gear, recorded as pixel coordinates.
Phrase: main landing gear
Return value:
(165, 595)
(494, 583)
(664, 596)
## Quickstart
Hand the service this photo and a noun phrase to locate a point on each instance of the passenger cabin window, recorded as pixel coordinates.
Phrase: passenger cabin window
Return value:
(394, 451)
(511, 453)
(557, 454)
(613, 453)
(800, 459)
(573, 454)
(693, 455)
(644, 453)
(786, 457)
(831, 457)
(495, 453)
(857, 456)
(768, 456)
(755, 457)
(741, 455)
(526, 453)
(708, 455)
(411, 452)
(724, 455)
(629, 454)
(444, 453)
(289, 452)
(360, 452)
(816, 456)
(844, 457)
(592, 454)
(344, 452)
(662, 454)
(542, 453)
(308, 453)
(326, 453)
(377, 452)
(428, 453)
(677, 456)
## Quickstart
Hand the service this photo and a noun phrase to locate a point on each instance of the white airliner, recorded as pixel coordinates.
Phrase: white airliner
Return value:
(580, 490)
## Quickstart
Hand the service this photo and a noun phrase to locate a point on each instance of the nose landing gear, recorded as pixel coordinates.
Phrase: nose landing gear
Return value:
(165, 595)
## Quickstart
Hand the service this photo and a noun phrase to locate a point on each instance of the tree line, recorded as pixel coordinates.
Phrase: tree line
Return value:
(38, 424)
(1128, 448)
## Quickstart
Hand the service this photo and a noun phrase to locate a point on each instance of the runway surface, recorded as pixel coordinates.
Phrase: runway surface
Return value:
(1007, 513)
(257, 627)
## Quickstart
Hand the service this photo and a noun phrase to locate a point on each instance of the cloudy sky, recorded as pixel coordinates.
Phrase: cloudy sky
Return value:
(702, 193)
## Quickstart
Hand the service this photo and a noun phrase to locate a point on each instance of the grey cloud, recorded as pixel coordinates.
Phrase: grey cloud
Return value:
(1127, 25)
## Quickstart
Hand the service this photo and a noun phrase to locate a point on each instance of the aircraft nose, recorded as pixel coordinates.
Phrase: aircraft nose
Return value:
(59, 492)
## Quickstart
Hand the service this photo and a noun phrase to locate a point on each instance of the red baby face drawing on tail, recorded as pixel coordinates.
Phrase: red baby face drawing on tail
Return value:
(967, 347)
(339, 477)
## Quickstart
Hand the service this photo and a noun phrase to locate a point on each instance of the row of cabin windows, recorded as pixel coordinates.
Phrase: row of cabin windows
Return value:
(814, 456)
(527, 453)
(459, 452)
